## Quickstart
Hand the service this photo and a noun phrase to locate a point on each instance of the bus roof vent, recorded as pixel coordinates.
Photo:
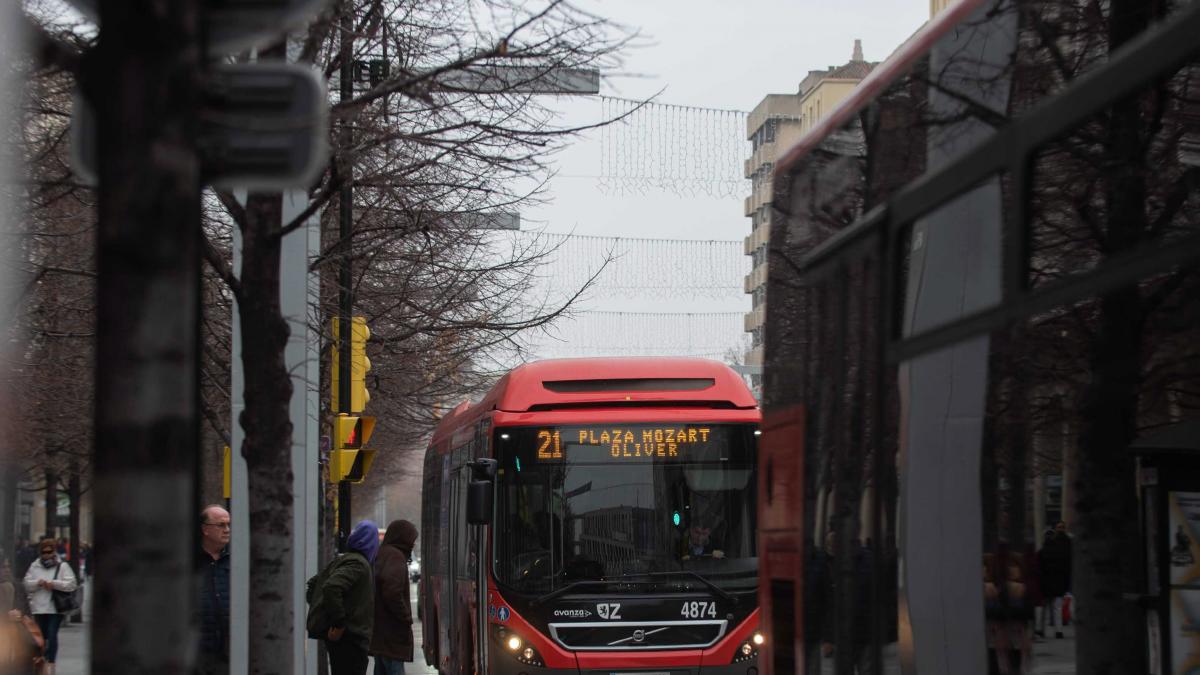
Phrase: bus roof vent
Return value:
(630, 384)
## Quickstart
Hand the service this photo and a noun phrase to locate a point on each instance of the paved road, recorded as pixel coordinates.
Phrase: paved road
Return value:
(1050, 656)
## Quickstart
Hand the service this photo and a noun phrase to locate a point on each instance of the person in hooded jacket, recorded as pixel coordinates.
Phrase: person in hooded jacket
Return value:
(349, 602)
(392, 637)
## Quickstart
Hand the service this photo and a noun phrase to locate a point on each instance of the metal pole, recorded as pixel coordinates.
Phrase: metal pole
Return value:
(146, 93)
(345, 231)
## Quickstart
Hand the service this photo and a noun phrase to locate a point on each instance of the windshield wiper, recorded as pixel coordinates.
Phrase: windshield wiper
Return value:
(626, 578)
(566, 589)
(726, 595)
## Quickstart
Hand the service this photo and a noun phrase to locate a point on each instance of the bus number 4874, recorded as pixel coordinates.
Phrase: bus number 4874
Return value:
(698, 610)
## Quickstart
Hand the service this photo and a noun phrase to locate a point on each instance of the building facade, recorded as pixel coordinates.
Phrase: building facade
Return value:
(775, 124)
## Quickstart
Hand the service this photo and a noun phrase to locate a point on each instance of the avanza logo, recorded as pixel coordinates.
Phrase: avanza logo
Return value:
(573, 613)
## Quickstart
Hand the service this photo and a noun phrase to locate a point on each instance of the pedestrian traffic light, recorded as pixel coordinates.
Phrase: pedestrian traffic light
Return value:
(359, 365)
(349, 460)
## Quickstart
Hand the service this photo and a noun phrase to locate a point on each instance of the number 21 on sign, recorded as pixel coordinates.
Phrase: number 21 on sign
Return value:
(549, 444)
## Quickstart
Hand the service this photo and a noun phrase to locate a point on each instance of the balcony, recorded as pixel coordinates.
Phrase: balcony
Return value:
(764, 195)
(754, 357)
(748, 244)
(749, 207)
(754, 318)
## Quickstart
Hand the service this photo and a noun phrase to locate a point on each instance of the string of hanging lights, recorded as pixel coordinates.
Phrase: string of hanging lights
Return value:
(685, 150)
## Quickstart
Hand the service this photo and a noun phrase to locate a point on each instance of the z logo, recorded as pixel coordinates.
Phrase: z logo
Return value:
(609, 610)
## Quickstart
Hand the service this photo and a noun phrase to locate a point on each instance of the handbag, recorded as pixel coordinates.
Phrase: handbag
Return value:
(66, 602)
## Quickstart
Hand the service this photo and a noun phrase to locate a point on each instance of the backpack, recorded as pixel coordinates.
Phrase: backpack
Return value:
(317, 623)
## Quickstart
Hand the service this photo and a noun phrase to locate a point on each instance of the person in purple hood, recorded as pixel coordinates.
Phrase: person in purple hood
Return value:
(349, 599)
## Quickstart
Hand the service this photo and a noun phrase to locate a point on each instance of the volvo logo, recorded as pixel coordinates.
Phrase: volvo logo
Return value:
(639, 635)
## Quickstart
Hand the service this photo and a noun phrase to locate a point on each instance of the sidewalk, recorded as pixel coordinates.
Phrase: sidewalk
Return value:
(74, 645)
(74, 649)
(74, 641)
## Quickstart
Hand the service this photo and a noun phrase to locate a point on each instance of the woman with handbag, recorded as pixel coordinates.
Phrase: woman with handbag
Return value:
(50, 584)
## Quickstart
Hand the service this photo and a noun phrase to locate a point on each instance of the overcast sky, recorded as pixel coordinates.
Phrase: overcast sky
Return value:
(721, 54)
(724, 54)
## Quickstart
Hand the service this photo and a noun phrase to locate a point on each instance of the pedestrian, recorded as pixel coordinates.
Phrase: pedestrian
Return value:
(391, 634)
(8, 590)
(348, 602)
(818, 587)
(46, 575)
(1054, 572)
(85, 560)
(26, 554)
(212, 566)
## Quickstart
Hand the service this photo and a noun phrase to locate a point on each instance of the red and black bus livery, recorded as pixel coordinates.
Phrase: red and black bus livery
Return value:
(621, 523)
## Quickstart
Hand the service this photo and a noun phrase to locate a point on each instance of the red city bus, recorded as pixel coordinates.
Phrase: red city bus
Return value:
(621, 530)
(980, 400)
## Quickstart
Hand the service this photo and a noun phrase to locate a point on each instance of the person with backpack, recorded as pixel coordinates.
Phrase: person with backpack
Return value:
(342, 602)
(46, 576)
(392, 637)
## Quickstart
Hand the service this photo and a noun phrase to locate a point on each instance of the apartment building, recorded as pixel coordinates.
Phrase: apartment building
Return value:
(777, 122)
(936, 6)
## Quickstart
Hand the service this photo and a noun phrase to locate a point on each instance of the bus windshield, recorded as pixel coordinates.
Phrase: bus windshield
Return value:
(627, 504)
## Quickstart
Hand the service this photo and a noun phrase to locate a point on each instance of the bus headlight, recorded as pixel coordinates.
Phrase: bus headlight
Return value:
(516, 646)
(749, 649)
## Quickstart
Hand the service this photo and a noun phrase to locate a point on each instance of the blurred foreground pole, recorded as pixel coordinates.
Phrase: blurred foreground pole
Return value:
(143, 81)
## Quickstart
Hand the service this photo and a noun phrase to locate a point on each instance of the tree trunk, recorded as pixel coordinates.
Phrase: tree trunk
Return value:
(143, 82)
(51, 505)
(1111, 630)
(8, 510)
(73, 497)
(268, 442)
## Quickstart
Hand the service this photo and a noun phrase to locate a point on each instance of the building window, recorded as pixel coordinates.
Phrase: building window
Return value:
(770, 127)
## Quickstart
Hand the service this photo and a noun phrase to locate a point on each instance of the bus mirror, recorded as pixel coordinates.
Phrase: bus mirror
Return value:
(479, 502)
(483, 468)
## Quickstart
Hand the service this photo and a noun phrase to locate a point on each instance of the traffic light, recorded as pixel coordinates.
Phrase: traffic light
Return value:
(349, 459)
(359, 365)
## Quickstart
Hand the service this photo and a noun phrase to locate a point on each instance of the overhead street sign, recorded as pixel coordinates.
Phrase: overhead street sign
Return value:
(494, 79)
(488, 220)
(263, 127)
(232, 26)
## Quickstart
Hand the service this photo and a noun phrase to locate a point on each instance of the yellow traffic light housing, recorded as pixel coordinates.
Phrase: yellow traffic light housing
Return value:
(359, 364)
(227, 474)
(349, 460)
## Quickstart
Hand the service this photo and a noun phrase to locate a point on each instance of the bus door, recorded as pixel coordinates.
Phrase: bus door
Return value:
(462, 568)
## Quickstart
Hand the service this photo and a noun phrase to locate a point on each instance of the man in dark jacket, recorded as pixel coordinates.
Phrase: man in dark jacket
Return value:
(349, 602)
(391, 637)
(1054, 575)
(212, 567)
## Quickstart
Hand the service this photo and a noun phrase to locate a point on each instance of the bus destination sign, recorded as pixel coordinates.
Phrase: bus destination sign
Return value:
(620, 443)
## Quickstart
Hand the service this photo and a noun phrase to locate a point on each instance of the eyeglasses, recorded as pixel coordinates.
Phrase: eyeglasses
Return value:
(47, 550)
(223, 526)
